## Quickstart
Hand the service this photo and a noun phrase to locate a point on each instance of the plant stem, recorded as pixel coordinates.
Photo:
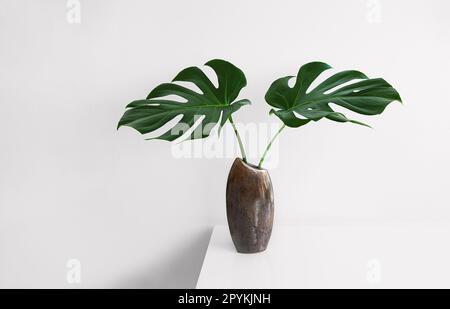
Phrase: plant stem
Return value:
(241, 146)
(270, 145)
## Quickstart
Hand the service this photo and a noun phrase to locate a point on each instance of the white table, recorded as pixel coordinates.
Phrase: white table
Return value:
(402, 256)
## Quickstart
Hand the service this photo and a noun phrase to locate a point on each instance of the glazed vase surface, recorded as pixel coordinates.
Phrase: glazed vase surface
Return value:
(250, 207)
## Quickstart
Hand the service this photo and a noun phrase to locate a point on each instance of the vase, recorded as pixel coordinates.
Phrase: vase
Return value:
(250, 209)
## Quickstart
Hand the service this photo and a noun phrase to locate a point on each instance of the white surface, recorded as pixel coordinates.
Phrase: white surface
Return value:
(72, 187)
(333, 257)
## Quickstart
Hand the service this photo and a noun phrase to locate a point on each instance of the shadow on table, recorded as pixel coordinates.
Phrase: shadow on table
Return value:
(178, 272)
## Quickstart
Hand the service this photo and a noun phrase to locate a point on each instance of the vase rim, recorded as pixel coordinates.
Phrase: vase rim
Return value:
(250, 165)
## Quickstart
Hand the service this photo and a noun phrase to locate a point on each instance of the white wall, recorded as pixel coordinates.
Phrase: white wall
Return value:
(71, 186)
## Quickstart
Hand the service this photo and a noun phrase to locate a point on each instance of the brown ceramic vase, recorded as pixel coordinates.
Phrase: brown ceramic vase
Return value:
(249, 207)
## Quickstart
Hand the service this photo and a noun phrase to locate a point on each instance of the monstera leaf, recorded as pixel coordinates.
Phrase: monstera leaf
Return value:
(215, 104)
(366, 96)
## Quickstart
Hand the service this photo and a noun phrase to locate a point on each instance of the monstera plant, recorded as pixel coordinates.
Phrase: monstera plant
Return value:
(249, 193)
(216, 104)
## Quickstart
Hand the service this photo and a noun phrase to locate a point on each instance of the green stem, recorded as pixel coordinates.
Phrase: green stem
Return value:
(241, 146)
(270, 145)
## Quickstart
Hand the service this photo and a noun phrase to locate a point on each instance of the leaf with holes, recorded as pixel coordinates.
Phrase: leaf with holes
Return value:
(296, 107)
(214, 104)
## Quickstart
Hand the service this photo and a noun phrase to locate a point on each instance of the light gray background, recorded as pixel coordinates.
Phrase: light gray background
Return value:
(71, 186)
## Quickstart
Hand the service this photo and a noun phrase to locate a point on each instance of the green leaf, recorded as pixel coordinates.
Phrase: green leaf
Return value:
(216, 104)
(366, 96)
